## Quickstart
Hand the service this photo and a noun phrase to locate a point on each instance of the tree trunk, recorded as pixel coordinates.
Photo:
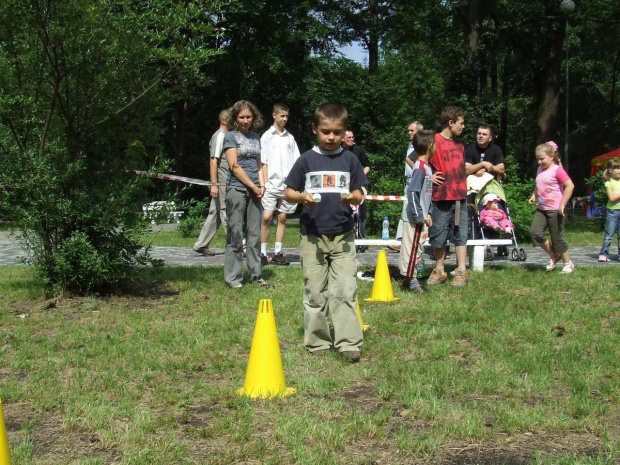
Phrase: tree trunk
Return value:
(373, 38)
(548, 89)
(179, 130)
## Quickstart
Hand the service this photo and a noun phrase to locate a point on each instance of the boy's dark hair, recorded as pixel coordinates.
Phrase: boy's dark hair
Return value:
(331, 110)
(278, 107)
(486, 126)
(233, 112)
(451, 113)
(422, 141)
(613, 164)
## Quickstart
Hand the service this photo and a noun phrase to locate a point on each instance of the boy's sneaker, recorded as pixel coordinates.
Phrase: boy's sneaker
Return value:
(415, 287)
(568, 268)
(603, 258)
(352, 356)
(460, 277)
(278, 259)
(437, 277)
(264, 260)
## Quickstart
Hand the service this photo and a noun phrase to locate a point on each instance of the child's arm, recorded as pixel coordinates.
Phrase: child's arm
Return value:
(354, 198)
(569, 187)
(610, 194)
(292, 196)
(532, 199)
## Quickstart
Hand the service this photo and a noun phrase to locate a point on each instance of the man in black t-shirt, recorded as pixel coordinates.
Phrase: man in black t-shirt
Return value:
(349, 143)
(484, 156)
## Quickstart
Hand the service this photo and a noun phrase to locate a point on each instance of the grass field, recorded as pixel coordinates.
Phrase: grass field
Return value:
(519, 367)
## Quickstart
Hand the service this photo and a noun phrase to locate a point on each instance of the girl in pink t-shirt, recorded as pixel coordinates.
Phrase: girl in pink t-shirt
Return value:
(552, 192)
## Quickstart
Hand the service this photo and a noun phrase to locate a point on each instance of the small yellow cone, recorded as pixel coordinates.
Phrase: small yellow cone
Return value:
(264, 377)
(382, 287)
(359, 315)
(5, 457)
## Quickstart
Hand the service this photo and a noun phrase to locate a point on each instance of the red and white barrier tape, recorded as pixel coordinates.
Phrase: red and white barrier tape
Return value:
(201, 182)
(385, 197)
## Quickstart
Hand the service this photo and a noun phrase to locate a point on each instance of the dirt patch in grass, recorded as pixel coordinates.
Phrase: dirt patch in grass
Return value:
(53, 441)
(520, 449)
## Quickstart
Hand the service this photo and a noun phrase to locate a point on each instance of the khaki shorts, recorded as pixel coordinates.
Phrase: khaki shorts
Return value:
(274, 200)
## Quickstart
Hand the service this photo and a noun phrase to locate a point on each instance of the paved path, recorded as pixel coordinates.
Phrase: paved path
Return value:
(11, 252)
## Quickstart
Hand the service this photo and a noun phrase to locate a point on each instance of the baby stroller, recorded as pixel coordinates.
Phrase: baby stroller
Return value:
(478, 231)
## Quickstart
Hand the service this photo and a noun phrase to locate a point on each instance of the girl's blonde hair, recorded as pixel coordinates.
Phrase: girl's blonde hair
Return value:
(551, 149)
(233, 112)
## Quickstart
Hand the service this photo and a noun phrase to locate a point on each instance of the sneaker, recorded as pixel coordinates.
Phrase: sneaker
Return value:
(278, 259)
(394, 248)
(205, 252)
(264, 260)
(437, 277)
(568, 268)
(264, 284)
(460, 277)
(553, 259)
(415, 287)
(352, 356)
(603, 258)
(235, 286)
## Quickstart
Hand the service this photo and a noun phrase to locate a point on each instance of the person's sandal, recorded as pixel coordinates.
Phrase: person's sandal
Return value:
(568, 268)
(553, 259)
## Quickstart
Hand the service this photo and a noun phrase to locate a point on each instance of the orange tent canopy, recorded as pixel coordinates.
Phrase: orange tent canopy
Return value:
(601, 160)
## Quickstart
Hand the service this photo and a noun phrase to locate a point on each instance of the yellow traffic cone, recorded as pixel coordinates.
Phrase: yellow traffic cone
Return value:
(5, 457)
(264, 377)
(382, 287)
(359, 315)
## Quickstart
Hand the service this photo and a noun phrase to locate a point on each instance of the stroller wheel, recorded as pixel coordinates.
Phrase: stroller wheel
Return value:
(488, 254)
(522, 255)
(514, 256)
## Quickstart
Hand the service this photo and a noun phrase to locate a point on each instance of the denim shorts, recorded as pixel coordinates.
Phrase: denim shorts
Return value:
(443, 224)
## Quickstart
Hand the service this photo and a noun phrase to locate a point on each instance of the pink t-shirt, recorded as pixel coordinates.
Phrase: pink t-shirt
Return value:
(550, 187)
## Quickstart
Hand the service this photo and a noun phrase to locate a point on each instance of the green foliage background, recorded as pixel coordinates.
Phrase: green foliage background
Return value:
(114, 85)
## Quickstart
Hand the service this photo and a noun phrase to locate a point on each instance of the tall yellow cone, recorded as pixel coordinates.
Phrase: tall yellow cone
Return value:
(5, 457)
(359, 315)
(382, 287)
(264, 377)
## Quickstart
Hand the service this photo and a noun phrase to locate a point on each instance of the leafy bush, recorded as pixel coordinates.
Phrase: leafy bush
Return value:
(196, 213)
(81, 228)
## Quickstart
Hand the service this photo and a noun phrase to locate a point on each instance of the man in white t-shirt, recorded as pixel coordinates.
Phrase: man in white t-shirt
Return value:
(278, 154)
(410, 159)
(218, 171)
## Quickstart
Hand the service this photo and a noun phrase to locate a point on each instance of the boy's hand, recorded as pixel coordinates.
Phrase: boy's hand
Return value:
(438, 178)
(309, 200)
(429, 220)
(348, 199)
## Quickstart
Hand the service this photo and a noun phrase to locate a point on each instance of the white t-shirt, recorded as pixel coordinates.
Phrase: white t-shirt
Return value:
(278, 151)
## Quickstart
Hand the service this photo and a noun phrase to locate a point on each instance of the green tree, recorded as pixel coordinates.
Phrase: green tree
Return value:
(84, 87)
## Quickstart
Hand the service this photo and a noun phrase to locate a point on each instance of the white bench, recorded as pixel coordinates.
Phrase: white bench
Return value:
(154, 209)
(476, 248)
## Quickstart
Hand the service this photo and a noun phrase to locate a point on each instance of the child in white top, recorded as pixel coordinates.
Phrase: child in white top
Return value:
(552, 193)
(612, 220)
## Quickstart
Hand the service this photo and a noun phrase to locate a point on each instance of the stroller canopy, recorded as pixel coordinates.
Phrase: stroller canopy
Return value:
(492, 187)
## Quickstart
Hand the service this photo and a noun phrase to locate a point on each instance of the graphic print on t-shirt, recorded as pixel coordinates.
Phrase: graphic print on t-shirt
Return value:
(327, 181)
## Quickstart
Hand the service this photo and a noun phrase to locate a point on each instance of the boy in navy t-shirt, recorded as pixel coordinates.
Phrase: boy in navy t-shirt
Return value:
(327, 237)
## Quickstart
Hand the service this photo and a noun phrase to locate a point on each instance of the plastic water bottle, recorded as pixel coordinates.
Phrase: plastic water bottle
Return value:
(385, 234)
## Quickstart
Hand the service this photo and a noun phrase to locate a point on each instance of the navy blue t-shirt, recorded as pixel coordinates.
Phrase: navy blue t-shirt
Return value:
(329, 175)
